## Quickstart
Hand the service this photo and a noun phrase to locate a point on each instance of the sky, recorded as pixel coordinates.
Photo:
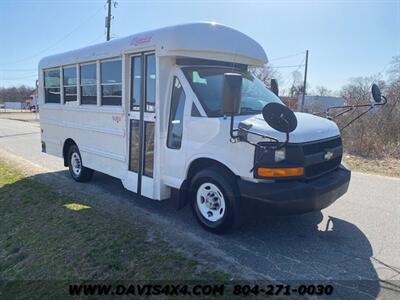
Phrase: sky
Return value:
(345, 39)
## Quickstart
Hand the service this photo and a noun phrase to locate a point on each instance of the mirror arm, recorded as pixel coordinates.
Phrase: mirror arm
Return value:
(356, 118)
(231, 131)
(287, 136)
(236, 136)
(347, 108)
(265, 149)
(285, 142)
(370, 107)
(339, 114)
(258, 134)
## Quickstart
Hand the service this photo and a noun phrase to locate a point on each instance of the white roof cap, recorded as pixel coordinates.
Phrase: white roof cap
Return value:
(201, 40)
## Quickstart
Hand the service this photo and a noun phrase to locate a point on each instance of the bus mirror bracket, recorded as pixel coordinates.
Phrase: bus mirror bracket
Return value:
(379, 100)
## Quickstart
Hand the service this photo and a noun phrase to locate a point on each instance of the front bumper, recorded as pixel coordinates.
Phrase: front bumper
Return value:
(298, 197)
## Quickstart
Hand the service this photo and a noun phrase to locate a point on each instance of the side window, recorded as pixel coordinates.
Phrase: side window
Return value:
(88, 84)
(111, 82)
(69, 84)
(175, 124)
(52, 86)
(150, 82)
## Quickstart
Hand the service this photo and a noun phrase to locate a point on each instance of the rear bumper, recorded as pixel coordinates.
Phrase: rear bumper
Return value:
(298, 197)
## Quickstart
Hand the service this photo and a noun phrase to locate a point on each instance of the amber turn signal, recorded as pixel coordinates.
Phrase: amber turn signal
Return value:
(280, 172)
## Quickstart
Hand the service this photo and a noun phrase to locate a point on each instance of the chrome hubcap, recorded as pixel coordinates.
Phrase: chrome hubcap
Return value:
(211, 202)
(76, 163)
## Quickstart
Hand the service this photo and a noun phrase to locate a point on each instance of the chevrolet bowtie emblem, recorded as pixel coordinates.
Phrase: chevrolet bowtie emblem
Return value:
(328, 155)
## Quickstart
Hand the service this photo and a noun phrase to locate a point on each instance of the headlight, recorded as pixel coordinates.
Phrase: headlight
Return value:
(280, 155)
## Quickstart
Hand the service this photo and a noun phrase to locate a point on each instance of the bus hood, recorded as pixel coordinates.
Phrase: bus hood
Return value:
(309, 128)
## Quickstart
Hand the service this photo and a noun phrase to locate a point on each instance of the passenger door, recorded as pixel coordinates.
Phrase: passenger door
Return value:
(142, 118)
(174, 148)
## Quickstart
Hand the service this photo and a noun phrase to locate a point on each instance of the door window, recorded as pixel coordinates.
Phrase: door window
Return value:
(136, 82)
(175, 124)
(148, 149)
(142, 99)
(150, 82)
(134, 147)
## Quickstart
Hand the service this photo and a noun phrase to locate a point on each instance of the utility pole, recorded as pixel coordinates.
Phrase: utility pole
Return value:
(305, 82)
(108, 19)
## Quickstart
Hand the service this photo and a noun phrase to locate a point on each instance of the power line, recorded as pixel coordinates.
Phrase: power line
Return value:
(18, 78)
(292, 66)
(58, 41)
(286, 56)
(286, 80)
(96, 39)
(17, 70)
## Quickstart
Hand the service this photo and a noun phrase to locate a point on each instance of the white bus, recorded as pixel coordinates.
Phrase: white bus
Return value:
(175, 111)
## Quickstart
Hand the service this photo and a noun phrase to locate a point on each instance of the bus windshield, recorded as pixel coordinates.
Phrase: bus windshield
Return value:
(207, 82)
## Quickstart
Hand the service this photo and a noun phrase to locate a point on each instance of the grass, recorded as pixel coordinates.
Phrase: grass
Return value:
(387, 167)
(48, 236)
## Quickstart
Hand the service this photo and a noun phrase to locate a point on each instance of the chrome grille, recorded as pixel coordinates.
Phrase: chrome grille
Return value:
(310, 155)
(316, 161)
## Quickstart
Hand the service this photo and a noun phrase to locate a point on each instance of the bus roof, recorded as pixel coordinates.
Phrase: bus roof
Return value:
(201, 40)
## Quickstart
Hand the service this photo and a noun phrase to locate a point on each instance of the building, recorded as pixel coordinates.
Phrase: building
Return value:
(290, 102)
(14, 105)
(313, 104)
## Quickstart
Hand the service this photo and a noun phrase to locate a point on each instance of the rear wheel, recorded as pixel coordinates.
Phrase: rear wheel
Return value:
(215, 200)
(76, 169)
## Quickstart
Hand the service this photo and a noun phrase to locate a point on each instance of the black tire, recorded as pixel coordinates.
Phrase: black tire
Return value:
(226, 183)
(85, 174)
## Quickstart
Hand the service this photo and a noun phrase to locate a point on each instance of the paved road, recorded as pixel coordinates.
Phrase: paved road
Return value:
(354, 242)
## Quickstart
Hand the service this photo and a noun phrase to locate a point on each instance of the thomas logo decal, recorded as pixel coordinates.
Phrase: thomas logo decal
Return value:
(141, 40)
(116, 119)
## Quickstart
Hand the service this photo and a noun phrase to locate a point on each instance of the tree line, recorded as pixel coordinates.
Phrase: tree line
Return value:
(15, 94)
(375, 135)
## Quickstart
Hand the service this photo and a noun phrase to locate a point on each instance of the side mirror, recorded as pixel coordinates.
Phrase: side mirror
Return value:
(231, 93)
(274, 86)
(279, 117)
(376, 93)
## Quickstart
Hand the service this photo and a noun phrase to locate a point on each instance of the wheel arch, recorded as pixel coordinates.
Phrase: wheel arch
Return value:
(67, 144)
(194, 166)
(201, 163)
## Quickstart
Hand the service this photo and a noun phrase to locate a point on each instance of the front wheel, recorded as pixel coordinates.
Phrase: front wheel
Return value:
(215, 200)
(76, 169)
